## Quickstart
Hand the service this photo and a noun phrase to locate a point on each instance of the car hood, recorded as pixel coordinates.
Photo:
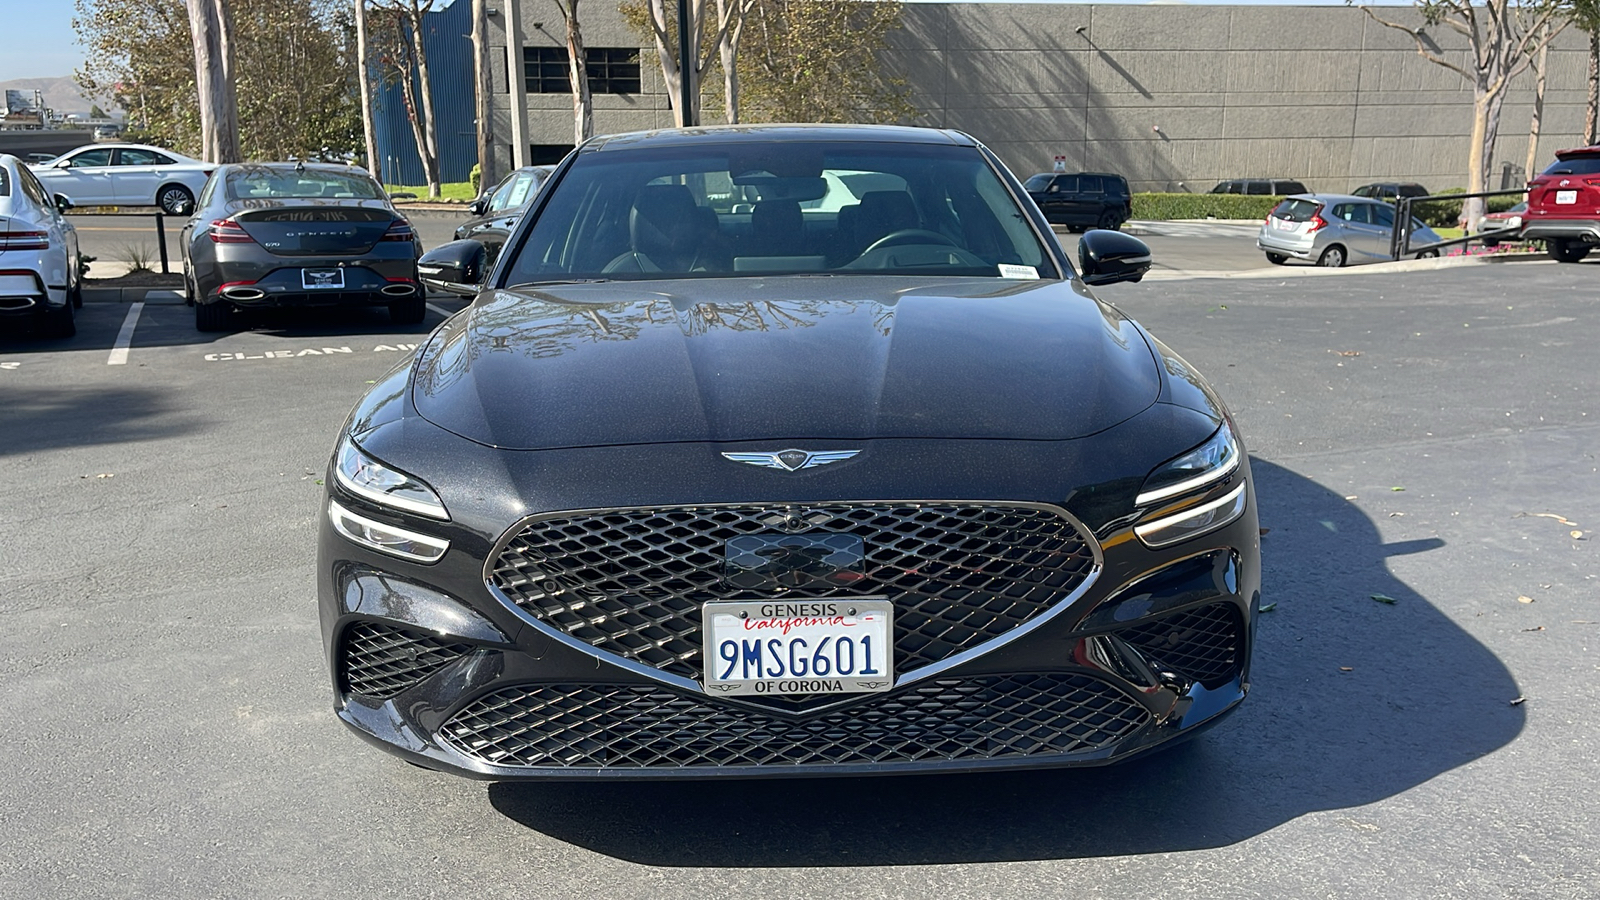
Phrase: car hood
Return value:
(796, 358)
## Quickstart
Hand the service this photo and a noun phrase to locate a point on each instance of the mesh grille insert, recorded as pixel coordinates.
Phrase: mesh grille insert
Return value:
(1199, 644)
(644, 727)
(381, 661)
(631, 582)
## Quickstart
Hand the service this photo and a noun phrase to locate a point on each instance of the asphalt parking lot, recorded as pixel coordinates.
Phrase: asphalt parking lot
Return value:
(1426, 438)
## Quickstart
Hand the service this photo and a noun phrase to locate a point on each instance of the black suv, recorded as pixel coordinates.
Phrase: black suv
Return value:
(1391, 190)
(1082, 201)
(1265, 187)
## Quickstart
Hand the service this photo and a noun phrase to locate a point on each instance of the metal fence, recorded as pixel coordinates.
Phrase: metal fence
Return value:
(1400, 239)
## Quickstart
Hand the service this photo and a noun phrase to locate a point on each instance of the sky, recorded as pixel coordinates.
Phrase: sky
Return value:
(39, 41)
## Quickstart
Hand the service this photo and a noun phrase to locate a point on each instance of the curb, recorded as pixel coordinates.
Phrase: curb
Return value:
(154, 295)
(1386, 268)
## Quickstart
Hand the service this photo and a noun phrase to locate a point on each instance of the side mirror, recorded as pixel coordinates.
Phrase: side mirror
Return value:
(478, 206)
(63, 202)
(1111, 257)
(456, 267)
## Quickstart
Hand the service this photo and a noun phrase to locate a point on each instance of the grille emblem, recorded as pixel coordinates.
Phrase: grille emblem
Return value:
(792, 460)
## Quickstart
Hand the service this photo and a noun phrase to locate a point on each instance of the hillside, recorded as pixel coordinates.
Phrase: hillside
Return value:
(60, 94)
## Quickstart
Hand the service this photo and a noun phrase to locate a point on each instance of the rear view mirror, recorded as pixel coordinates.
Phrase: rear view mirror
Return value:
(63, 202)
(478, 206)
(456, 267)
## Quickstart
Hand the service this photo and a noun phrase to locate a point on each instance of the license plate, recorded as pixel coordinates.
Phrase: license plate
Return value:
(322, 279)
(803, 646)
(1281, 225)
(1566, 197)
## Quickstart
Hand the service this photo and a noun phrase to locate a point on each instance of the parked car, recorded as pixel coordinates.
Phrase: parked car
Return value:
(1266, 187)
(298, 234)
(1505, 225)
(126, 175)
(497, 211)
(1564, 205)
(1082, 200)
(1391, 190)
(662, 502)
(1335, 230)
(41, 274)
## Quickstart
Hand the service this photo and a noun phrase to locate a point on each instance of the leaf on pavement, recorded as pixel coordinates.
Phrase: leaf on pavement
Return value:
(1384, 598)
(1519, 700)
(1269, 607)
(1524, 598)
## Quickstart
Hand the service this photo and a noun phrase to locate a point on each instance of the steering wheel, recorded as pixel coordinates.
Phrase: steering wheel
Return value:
(909, 236)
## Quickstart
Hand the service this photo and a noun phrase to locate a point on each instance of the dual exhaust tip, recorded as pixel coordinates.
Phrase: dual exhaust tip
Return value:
(17, 304)
(247, 294)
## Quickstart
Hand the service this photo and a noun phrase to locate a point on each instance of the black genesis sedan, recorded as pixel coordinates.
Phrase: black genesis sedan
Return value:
(298, 234)
(731, 469)
(497, 211)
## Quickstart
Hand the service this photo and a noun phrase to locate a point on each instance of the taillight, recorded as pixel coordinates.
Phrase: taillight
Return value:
(399, 230)
(1317, 222)
(227, 231)
(25, 240)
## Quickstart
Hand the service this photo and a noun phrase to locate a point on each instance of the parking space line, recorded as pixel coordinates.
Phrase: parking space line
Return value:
(440, 310)
(119, 350)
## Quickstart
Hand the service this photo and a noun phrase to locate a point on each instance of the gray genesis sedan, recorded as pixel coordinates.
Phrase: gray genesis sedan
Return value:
(786, 450)
(298, 234)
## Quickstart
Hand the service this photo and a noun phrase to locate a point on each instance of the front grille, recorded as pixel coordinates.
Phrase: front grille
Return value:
(643, 727)
(1199, 644)
(380, 661)
(631, 582)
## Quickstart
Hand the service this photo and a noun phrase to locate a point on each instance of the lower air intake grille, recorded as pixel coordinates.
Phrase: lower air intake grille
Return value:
(1199, 644)
(643, 727)
(380, 661)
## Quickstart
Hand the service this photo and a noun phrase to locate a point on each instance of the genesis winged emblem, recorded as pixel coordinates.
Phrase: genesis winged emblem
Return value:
(792, 460)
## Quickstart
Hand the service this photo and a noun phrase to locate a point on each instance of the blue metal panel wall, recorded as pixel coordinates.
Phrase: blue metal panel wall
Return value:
(448, 40)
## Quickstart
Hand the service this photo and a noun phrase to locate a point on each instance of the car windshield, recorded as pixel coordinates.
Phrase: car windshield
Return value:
(269, 183)
(725, 209)
(1575, 165)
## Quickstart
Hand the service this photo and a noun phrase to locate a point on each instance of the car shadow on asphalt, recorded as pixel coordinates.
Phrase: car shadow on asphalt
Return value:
(1353, 700)
(34, 418)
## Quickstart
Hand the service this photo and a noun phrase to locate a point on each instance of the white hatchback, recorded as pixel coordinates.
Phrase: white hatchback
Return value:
(126, 175)
(41, 277)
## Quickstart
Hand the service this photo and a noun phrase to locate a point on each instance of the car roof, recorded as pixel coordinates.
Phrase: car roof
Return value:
(1334, 198)
(1593, 150)
(764, 134)
(298, 166)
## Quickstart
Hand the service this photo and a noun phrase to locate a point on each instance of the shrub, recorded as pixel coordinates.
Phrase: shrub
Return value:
(475, 177)
(1202, 206)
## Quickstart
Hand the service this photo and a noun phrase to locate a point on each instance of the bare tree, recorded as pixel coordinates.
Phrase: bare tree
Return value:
(577, 73)
(364, 88)
(1502, 38)
(1585, 16)
(210, 27)
(484, 92)
(708, 39)
(731, 16)
(1540, 70)
(409, 61)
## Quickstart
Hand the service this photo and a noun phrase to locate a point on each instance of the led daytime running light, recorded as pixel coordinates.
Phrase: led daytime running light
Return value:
(1228, 466)
(1199, 520)
(369, 479)
(384, 538)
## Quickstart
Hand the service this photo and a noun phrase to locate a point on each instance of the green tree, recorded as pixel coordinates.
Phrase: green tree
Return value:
(294, 68)
(817, 61)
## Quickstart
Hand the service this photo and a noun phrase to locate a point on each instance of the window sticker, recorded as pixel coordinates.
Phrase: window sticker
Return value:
(1027, 273)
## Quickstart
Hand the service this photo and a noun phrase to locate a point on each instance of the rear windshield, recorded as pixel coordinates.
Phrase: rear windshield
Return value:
(1295, 210)
(1037, 183)
(1575, 165)
(5, 183)
(712, 210)
(271, 183)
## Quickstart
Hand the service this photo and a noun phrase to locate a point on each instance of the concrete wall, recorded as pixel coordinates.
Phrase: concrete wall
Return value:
(1321, 94)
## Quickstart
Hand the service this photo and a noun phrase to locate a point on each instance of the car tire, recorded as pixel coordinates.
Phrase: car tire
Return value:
(58, 323)
(75, 293)
(1566, 251)
(1277, 259)
(1428, 254)
(1108, 222)
(1333, 257)
(1491, 242)
(215, 316)
(175, 199)
(410, 311)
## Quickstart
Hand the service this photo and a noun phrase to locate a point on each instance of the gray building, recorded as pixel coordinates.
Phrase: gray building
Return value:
(1174, 97)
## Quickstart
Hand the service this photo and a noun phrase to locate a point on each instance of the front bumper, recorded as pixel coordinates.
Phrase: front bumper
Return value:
(463, 680)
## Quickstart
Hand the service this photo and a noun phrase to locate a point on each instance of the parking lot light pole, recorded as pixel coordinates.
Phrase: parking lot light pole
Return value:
(686, 67)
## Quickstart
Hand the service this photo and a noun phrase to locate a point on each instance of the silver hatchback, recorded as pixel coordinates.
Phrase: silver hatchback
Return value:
(1335, 230)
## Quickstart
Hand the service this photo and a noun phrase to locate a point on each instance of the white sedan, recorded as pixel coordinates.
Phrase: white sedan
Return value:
(41, 277)
(126, 175)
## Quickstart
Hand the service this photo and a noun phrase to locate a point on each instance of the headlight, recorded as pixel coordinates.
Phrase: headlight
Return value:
(386, 538)
(369, 479)
(1201, 469)
(1206, 464)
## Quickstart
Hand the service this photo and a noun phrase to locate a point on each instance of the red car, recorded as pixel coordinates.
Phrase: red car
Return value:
(1564, 204)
